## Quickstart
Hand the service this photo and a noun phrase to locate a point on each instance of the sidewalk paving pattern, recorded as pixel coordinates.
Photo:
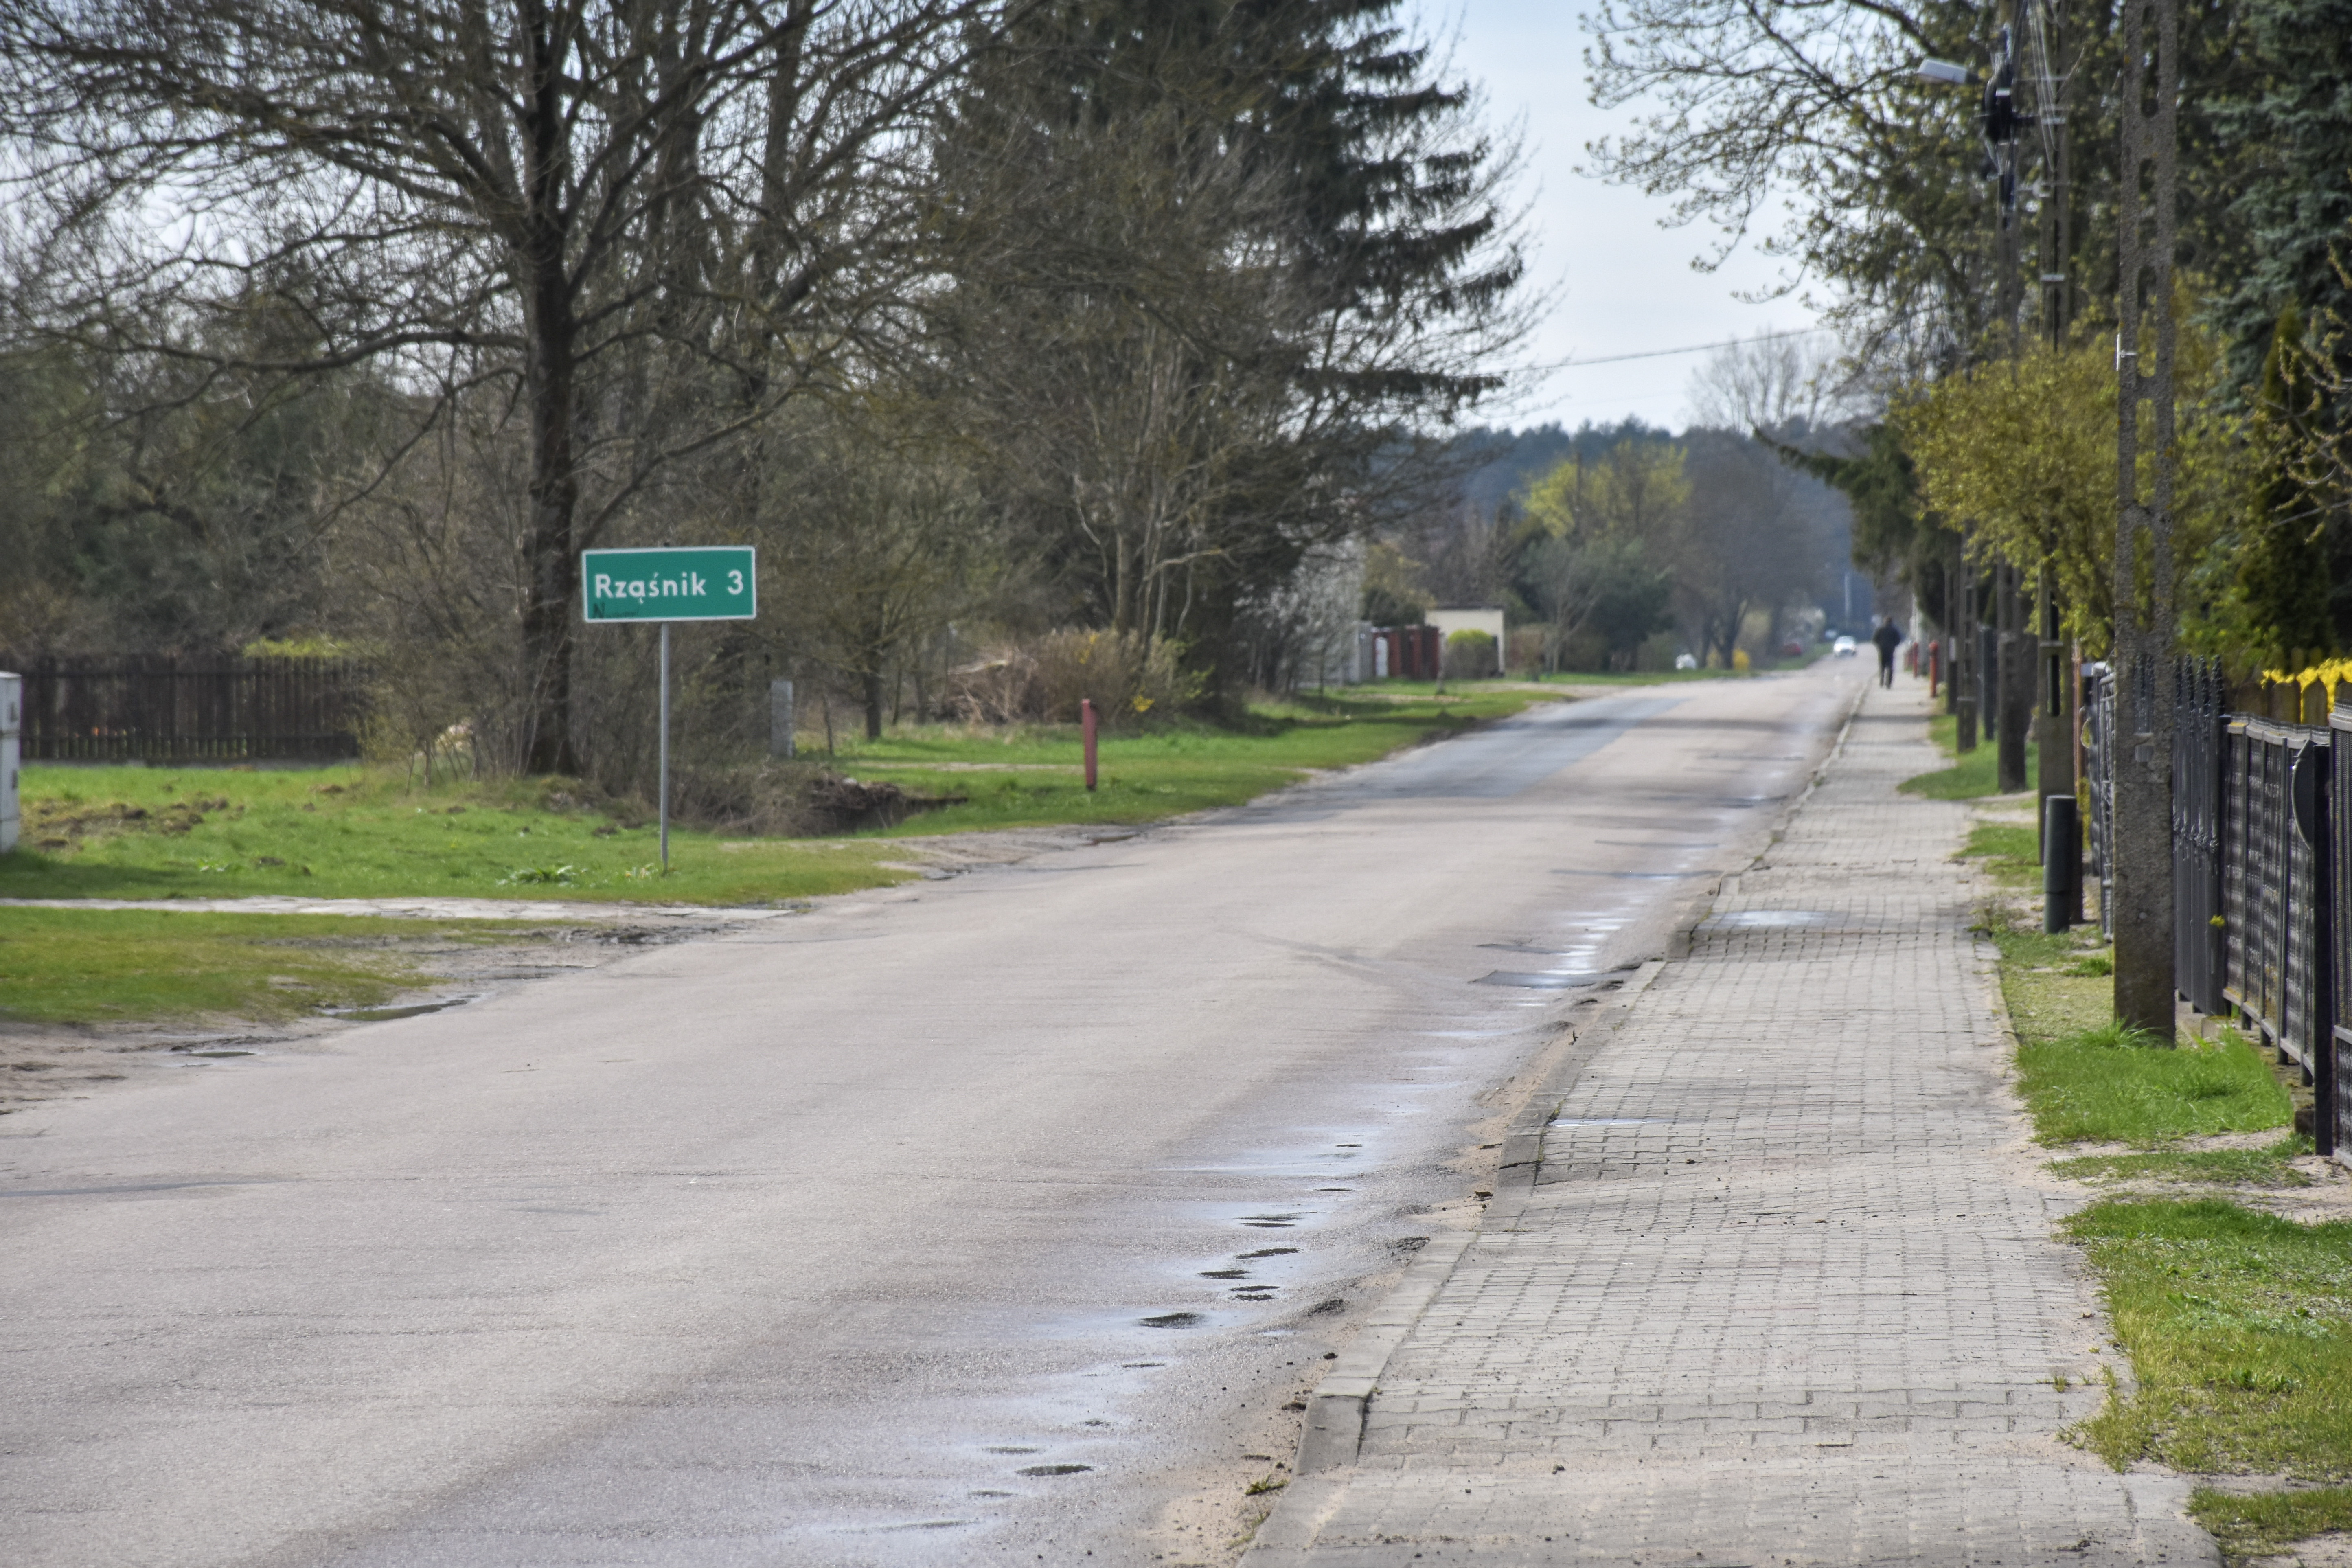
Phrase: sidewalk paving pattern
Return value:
(1784, 1289)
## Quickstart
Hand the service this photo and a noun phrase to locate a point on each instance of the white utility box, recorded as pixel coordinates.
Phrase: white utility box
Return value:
(12, 723)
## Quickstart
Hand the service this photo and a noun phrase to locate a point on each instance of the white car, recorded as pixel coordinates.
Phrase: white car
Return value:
(1842, 648)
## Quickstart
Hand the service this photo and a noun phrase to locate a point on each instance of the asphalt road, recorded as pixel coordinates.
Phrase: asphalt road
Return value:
(989, 1220)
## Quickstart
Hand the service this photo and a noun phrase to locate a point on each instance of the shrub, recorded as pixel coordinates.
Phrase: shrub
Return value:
(1469, 655)
(1127, 675)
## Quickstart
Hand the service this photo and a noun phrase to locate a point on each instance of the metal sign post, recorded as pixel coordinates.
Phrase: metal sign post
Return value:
(718, 583)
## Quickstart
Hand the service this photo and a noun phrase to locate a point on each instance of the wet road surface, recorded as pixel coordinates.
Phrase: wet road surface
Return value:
(991, 1220)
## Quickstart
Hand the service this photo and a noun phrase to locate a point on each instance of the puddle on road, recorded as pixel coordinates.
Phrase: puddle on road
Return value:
(1630, 876)
(1173, 1320)
(386, 1014)
(1765, 920)
(1539, 979)
(1054, 1469)
(1268, 1252)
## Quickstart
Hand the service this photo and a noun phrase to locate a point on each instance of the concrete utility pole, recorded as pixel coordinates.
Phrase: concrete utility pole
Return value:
(2015, 697)
(2143, 652)
(2051, 80)
(1966, 649)
(2013, 669)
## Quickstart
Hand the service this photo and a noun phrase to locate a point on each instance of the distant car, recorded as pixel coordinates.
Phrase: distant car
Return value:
(1842, 648)
(1686, 661)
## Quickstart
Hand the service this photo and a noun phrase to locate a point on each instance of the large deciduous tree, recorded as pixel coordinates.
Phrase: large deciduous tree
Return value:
(639, 223)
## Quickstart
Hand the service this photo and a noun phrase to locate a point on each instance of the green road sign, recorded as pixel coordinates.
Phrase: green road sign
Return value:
(715, 582)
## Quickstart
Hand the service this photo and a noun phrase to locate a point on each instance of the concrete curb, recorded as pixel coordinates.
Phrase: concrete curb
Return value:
(1336, 1410)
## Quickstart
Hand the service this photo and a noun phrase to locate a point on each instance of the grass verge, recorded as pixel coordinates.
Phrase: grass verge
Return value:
(2237, 1326)
(1970, 777)
(2260, 1524)
(355, 833)
(2113, 1085)
(352, 831)
(98, 966)
(2238, 1321)
(2264, 1167)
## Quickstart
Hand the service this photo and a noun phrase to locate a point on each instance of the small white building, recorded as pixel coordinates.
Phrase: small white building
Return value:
(1488, 618)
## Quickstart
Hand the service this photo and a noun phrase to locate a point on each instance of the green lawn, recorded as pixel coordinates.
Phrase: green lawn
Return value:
(158, 832)
(1970, 777)
(2238, 1329)
(2238, 1321)
(2113, 1085)
(1031, 777)
(96, 966)
(353, 832)
(2011, 852)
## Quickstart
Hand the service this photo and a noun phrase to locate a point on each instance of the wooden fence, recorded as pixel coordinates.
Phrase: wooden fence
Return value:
(163, 709)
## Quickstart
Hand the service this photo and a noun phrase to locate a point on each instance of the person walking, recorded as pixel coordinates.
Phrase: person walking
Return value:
(1888, 637)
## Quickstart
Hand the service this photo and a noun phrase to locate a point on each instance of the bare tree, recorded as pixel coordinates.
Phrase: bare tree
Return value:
(643, 225)
(1785, 387)
(1739, 103)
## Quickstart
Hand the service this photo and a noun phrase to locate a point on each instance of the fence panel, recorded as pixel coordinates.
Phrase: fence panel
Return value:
(167, 709)
(2200, 744)
(2237, 924)
(2272, 883)
(2099, 766)
(2333, 1091)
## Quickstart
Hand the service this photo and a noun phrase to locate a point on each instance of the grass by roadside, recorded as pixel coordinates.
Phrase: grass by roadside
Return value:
(2236, 1312)
(1031, 776)
(1970, 777)
(2260, 1524)
(100, 966)
(157, 833)
(2237, 1325)
(350, 832)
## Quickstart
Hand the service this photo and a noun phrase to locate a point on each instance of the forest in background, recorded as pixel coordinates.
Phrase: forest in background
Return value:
(346, 326)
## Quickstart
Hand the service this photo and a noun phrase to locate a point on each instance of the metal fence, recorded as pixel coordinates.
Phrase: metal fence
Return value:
(2098, 751)
(2262, 863)
(165, 709)
(2200, 735)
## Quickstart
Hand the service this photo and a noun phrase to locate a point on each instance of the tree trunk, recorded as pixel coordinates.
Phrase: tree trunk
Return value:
(553, 566)
(872, 683)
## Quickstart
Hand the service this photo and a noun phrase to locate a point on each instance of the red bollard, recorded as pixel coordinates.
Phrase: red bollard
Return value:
(1087, 718)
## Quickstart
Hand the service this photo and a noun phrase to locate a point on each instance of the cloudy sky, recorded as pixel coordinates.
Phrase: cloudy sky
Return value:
(1622, 284)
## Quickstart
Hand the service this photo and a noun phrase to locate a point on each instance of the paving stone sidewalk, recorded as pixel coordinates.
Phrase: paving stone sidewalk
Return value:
(1785, 1289)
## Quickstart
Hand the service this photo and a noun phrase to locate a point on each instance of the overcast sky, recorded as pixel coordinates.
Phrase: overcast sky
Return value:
(1622, 284)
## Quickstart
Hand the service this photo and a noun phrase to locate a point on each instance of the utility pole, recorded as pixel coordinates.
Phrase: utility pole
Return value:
(1968, 648)
(2014, 665)
(2051, 78)
(2146, 232)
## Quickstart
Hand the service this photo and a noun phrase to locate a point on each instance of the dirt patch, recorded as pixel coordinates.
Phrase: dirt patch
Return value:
(40, 1063)
(67, 824)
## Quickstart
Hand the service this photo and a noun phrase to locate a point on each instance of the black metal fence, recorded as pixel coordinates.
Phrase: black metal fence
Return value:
(2098, 743)
(165, 709)
(2262, 863)
(2200, 820)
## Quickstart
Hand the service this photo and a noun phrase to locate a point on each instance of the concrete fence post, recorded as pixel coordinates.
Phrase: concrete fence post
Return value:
(12, 725)
(783, 719)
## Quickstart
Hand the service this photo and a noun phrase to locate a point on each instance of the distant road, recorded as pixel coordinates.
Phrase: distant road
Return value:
(916, 1229)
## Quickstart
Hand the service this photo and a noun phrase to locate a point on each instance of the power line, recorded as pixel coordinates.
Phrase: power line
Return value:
(1692, 349)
